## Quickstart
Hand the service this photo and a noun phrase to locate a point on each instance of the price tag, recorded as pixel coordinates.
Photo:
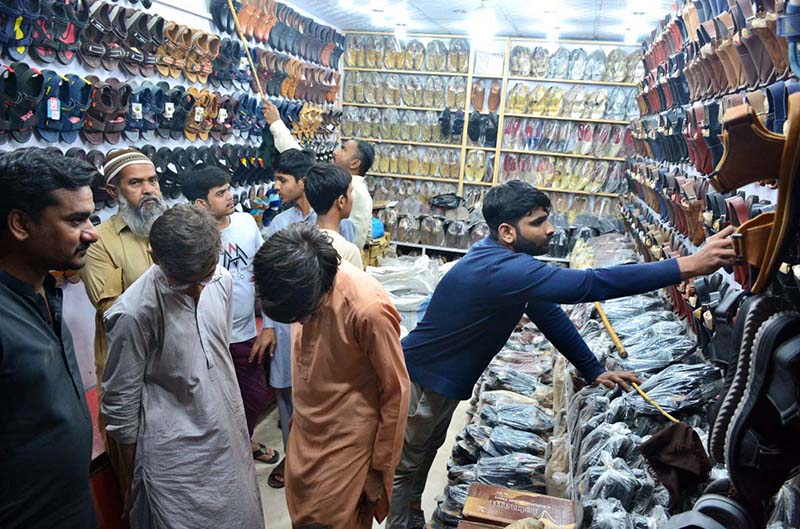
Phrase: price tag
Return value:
(54, 108)
(243, 63)
(136, 110)
(199, 112)
(169, 110)
(222, 116)
(331, 127)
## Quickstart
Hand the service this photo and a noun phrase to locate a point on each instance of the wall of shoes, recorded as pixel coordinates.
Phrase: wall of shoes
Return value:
(445, 119)
(84, 78)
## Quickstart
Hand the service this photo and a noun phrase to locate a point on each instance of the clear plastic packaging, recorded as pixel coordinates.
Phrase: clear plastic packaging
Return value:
(431, 231)
(457, 235)
(520, 417)
(498, 377)
(679, 387)
(462, 474)
(606, 514)
(505, 441)
(786, 514)
(515, 471)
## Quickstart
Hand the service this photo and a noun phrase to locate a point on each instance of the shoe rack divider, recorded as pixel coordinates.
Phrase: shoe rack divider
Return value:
(471, 76)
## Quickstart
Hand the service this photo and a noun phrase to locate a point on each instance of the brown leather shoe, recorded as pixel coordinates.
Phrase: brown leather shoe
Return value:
(478, 95)
(494, 96)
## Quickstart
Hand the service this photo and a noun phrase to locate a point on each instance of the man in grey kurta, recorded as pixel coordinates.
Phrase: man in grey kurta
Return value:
(170, 391)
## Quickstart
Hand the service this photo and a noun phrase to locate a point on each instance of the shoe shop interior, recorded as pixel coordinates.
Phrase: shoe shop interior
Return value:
(539, 292)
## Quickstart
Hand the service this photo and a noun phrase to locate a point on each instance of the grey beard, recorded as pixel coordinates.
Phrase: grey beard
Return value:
(140, 219)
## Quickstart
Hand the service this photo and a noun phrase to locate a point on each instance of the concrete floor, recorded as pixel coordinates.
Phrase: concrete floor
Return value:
(276, 515)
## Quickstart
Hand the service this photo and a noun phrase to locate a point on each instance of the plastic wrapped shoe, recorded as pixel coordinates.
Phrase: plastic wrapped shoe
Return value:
(616, 105)
(372, 118)
(527, 168)
(374, 51)
(520, 64)
(537, 135)
(559, 64)
(598, 103)
(457, 235)
(548, 136)
(510, 167)
(450, 164)
(540, 62)
(425, 163)
(488, 171)
(351, 50)
(408, 229)
(373, 88)
(599, 176)
(585, 138)
(409, 128)
(392, 90)
(414, 55)
(479, 231)
(518, 99)
(393, 58)
(553, 101)
(436, 56)
(567, 135)
(412, 91)
(596, 66)
(456, 92)
(383, 159)
(575, 102)
(436, 162)
(631, 106)
(602, 136)
(429, 127)
(617, 66)
(537, 101)
(577, 64)
(350, 117)
(433, 92)
(431, 231)
(545, 171)
(405, 153)
(458, 56)
(634, 67)
(390, 124)
(393, 155)
(351, 81)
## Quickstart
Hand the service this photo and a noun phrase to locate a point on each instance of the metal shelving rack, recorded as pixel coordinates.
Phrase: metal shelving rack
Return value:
(507, 43)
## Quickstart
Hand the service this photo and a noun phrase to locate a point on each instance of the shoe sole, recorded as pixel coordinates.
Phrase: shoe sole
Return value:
(758, 310)
(765, 339)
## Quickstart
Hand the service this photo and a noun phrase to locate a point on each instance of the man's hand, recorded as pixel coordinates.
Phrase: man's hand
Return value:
(373, 487)
(266, 341)
(611, 378)
(715, 253)
(271, 114)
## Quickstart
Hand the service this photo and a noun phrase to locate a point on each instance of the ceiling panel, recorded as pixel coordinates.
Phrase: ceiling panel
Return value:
(576, 19)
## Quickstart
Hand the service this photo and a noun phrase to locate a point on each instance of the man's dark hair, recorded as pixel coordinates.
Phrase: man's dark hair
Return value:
(293, 271)
(366, 153)
(198, 182)
(29, 176)
(186, 242)
(508, 203)
(294, 162)
(325, 183)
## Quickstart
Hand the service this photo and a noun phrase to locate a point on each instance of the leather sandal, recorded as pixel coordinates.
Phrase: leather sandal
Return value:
(105, 118)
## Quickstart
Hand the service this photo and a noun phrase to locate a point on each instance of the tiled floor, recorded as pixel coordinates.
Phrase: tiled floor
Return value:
(275, 512)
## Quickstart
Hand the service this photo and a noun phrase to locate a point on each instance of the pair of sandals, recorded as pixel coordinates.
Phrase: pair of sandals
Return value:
(479, 96)
(451, 125)
(64, 101)
(50, 29)
(187, 51)
(478, 166)
(482, 128)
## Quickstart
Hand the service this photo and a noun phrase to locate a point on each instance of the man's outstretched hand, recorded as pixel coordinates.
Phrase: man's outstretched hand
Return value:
(624, 379)
(715, 253)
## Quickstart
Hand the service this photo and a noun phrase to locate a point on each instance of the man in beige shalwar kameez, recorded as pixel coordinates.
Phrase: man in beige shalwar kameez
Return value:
(349, 381)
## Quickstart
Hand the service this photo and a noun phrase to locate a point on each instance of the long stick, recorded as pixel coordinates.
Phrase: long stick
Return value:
(624, 354)
(246, 48)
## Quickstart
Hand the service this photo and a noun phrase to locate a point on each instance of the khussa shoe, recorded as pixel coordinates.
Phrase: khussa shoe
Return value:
(537, 101)
(413, 91)
(393, 58)
(494, 96)
(520, 61)
(478, 96)
(553, 101)
(458, 56)
(540, 62)
(436, 56)
(450, 164)
(616, 66)
(595, 66)
(577, 64)
(575, 102)
(409, 129)
(374, 52)
(517, 102)
(373, 88)
(414, 55)
(559, 64)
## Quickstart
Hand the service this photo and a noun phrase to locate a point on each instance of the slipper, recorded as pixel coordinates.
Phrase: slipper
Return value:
(262, 451)
(760, 448)
(274, 481)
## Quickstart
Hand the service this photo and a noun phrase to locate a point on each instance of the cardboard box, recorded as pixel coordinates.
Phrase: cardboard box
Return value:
(466, 524)
(500, 507)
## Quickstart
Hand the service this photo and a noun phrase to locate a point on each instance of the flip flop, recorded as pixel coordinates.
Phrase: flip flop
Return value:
(262, 451)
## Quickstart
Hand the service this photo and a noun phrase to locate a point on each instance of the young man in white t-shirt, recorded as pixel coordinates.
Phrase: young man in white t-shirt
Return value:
(209, 188)
(329, 190)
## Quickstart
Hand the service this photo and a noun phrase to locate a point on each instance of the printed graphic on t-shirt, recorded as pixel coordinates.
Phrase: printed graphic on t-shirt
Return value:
(235, 260)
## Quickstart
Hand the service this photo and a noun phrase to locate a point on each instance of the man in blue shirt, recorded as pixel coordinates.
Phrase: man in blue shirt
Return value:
(476, 306)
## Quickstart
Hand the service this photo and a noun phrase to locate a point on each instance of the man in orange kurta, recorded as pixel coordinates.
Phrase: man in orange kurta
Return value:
(349, 381)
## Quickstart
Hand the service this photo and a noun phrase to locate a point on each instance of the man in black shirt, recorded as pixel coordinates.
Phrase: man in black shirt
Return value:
(45, 428)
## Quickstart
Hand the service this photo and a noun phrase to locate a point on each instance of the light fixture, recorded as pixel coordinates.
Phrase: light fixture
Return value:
(482, 26)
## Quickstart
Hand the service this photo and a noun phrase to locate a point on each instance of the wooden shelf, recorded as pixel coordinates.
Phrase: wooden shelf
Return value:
(569, 81)
(485, 184)
(414, 177)
(480, 148)
(403, 142)
(564, 155)
(406, 72)
(574, 192)
(398, 107)
(430, 248)
(564, 118)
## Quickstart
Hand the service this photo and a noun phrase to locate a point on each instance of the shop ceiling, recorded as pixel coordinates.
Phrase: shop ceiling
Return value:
(615, 20)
